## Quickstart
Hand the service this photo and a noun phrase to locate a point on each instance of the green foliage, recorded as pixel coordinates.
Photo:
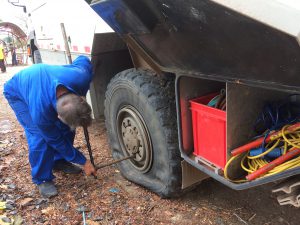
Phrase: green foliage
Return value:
(8, 40)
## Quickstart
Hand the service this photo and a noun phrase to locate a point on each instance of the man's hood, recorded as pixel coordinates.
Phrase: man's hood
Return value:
(76, 76)
(84, 63)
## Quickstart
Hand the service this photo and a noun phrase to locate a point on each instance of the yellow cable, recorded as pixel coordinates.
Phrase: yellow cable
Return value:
(244, 167)
(226, 170)
(286, 140)
(285, 147)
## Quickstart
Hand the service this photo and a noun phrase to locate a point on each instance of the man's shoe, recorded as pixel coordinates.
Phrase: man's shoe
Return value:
(47, 189)
(66, 167)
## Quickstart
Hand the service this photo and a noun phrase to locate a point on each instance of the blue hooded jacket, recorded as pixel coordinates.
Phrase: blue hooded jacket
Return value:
(36, 87)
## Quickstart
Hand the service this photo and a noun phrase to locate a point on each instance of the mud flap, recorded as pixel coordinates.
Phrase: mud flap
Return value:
(190, 175)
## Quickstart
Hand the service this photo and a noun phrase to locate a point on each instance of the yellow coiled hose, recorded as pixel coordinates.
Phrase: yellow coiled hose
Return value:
(253, 163)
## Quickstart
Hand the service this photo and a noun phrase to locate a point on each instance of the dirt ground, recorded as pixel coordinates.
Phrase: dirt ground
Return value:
(111, 199)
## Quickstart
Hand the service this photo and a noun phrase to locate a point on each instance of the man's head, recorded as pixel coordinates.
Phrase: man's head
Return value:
(73, 110)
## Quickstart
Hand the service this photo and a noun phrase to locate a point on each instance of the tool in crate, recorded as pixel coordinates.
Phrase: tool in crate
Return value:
(219, 101)
(278, 150)
(97, 167)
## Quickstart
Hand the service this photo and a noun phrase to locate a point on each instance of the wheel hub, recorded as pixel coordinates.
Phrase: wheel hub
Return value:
(134, 138)
(130, 136)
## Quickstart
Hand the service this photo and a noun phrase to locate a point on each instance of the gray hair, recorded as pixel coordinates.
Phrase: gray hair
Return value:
(74, 111)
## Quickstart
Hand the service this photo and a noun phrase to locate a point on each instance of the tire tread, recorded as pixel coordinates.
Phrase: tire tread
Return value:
(161, 95)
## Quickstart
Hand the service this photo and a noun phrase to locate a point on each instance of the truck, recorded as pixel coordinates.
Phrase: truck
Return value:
(45, 31)
(166, 60)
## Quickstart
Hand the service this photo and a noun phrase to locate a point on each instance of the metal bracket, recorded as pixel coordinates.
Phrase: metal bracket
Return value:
(291, 189)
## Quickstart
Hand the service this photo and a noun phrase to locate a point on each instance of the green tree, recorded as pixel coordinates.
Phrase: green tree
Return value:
(8, 39)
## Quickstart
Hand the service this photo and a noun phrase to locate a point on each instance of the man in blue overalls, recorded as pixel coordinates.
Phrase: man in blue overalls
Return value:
(49, 103)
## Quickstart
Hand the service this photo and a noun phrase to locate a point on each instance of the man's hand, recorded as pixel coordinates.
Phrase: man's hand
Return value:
(88, 168)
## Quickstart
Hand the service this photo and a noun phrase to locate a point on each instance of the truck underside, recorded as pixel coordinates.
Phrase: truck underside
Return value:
(181, 51)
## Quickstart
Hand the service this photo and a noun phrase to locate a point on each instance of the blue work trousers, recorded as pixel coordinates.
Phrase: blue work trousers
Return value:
(42, 157)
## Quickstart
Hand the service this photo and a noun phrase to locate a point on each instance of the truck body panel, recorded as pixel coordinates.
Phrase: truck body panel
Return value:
(207, 39)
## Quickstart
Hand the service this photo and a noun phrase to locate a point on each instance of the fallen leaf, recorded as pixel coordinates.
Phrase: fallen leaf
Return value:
(18, 220)
(90, 222)
(105, 201)
(48, 210)
(3, 187)
(4, 144)
(4, 141)
(2, 205)
(3, 219)
(168, 213)
(26, 201)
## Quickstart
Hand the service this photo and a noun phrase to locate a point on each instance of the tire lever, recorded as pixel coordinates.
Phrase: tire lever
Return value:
(114, 162)
(87, 139)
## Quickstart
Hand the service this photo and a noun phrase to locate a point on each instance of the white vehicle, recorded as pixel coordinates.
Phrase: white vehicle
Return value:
(45, 38)
(45, 34)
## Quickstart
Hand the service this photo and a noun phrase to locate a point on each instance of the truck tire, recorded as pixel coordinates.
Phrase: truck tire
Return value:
(140, 116)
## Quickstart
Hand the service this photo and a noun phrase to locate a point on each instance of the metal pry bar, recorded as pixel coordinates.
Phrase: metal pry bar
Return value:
(87, 139)
(114, 162)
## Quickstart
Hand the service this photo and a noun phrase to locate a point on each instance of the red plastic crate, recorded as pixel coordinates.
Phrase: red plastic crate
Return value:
(209, 131)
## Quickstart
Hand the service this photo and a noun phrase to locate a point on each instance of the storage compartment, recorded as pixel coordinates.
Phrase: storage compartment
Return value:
(209, 131)
(191, 88)
(244, 106)
(208, 135)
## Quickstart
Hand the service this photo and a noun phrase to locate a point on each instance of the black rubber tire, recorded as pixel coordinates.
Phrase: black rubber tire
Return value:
(153, 97)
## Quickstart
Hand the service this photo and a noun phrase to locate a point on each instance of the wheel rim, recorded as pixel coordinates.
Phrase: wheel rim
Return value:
(134, 138)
